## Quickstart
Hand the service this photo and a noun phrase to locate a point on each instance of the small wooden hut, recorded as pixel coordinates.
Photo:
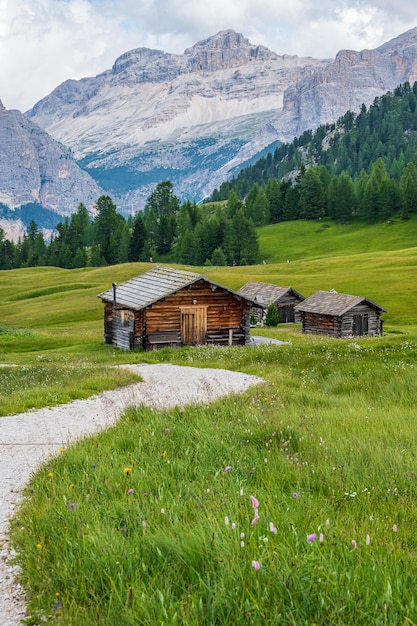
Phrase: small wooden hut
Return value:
(265, 294)
(170, 307)
(340, 315)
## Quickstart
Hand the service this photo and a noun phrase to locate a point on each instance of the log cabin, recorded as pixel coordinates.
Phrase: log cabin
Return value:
(340, 315)
(265, 294)
(166, 307)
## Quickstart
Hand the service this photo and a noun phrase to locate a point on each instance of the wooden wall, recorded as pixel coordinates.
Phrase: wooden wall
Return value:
(346, 325)
(224, 311)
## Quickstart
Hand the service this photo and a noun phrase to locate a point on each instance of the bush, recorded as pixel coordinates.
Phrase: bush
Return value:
(272, 317)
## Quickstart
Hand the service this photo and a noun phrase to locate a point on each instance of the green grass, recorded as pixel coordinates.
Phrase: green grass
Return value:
(334, 424)
(326, 445)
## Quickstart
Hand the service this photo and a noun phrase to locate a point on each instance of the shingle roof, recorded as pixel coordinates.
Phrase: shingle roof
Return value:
(265, 293)
(332, 303)
(153, 285)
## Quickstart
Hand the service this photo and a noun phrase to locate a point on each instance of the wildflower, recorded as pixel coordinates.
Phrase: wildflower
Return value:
(255, 502)
(311, 537)
(295, 495)
(242, 544)
(255, 519)
(371, 517)
(56, 606)
(39, 546)
(144, 524)
(127, 470)
(256, 565)
(129, 491)
(241, 492)
(207, 490)
(394, 528)
(233, 526)
(368, 540)
(226, 521)
(182, 409)
(50, 474)
(242, 535)
(227, 468)
(354, 544)
(327, 522)
(61, 450)
(321, 538)
(272, 528)
(163, 511)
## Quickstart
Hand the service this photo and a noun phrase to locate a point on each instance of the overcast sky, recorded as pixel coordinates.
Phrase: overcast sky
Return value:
(44, 42)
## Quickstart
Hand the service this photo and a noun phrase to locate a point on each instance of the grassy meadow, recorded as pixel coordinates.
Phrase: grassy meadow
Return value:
(294, 503)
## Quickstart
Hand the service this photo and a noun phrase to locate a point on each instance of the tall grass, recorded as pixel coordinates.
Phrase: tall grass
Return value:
(153, 523)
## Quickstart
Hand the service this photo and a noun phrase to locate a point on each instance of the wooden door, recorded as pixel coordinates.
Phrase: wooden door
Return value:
(360, 324)
(193, 325)
(286, 313)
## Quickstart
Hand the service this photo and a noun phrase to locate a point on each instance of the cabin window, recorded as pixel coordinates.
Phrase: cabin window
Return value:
(126, 319)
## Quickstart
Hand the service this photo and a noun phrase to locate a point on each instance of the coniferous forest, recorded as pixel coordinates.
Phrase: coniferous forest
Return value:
(364, 167)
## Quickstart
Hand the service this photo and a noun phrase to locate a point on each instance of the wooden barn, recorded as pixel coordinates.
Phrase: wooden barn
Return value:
(170, 307)
(265, 294)
(340, 315)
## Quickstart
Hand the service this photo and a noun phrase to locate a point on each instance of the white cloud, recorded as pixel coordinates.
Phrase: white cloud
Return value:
(44, 42)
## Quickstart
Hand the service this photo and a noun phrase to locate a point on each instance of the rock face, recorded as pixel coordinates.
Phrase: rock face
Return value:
(34, 168)
(155, 116)
(196, 118)
(352, 79)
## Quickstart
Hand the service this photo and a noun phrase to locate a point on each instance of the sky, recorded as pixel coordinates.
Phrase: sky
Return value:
(44, 42)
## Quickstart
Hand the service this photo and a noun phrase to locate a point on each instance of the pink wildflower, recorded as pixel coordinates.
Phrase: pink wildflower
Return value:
(394, 528)
(255, 519)
(227, 468)
(256, 565)
(255, 502)
(354, 544)
(129, 491)
(272, 528)
(311, 537)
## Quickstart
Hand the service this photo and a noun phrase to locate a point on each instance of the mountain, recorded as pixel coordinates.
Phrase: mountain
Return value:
(197, 118)
(38, 173)
(157, 116)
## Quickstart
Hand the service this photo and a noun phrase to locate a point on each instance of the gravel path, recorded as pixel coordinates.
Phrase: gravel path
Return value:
(28, 439)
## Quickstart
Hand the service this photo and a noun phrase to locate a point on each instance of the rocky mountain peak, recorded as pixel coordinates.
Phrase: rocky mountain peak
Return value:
(2, 107)
(225, 50)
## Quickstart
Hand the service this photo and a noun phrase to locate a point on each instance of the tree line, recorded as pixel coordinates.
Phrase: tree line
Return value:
(187, 233)
(363, 166)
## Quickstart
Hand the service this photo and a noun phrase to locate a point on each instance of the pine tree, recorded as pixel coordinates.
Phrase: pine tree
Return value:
(272, 317)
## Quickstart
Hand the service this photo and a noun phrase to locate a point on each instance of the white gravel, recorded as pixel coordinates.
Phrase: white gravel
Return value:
(28, 439)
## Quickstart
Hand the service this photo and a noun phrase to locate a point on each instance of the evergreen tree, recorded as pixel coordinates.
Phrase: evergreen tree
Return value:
(137, 239)
(219, 258)
(409, 190)
(272, 317)
(108, 228)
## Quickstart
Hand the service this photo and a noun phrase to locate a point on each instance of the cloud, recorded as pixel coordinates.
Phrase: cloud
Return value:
(44, 42)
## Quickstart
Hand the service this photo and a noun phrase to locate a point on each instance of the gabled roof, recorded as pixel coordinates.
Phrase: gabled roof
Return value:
(266, 293)
(333, 303)
(154, 285)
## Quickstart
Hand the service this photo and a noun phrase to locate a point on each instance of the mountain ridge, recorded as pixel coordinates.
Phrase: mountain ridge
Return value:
(195, 118)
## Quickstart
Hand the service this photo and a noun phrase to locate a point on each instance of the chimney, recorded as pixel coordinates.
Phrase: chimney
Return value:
(114, 296)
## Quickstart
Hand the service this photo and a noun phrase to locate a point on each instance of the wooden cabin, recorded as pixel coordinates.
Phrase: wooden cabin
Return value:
(340, 315)
(265, 294)
(170, 307)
